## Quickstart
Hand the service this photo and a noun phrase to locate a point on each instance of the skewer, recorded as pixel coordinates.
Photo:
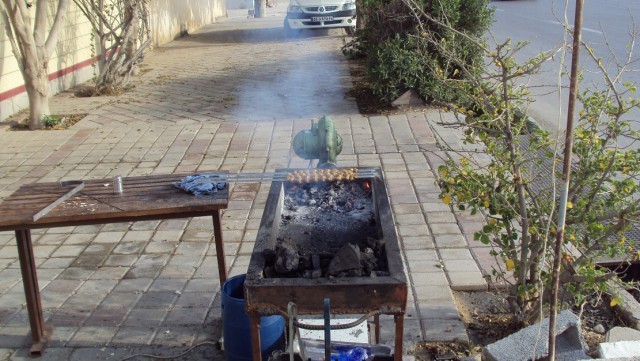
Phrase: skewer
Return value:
(304, 175)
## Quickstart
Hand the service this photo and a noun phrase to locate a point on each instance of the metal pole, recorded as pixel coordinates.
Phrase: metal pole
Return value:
(327, 329)
(566, 175)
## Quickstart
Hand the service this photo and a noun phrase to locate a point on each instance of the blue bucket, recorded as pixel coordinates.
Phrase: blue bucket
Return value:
(235, 325)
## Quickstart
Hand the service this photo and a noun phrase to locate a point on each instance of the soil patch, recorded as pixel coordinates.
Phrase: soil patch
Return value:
(487, 319)
(368, 102)
(65, 121)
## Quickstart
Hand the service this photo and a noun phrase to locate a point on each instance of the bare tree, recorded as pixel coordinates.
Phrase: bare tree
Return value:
(32, 45)
(123, 32)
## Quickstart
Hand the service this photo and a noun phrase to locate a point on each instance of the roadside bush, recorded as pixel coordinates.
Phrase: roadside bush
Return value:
(398, 42)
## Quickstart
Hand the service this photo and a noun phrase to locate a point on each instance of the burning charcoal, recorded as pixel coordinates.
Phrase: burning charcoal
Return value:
(360, 204)
(315, 260)
(269, 272)
(305, 262)
(354, 273)
(369, 260)
(287, 257)
(269, 255)
(347, 258)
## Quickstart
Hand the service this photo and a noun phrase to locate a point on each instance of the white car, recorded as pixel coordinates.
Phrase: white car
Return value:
(321, 14)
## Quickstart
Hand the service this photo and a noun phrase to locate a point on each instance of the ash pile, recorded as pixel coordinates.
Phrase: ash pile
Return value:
(328, 229)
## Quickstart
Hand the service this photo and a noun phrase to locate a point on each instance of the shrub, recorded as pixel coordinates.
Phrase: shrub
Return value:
(398, 41)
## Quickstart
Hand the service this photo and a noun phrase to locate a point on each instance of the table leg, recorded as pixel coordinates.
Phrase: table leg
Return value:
(256, 346)
(31, 290)
(399, 321)
(217, 235)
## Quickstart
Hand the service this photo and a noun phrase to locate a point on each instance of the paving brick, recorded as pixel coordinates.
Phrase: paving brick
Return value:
(129, 248)
(437, 309)
(467, 281)
(92, 336)
(424, 266)
(421, 255)
(51, 354)
(139, 266)
(148, 317)
(107, 316)
(450, 241)
(443, 330)
(431, 293)
(460, 266)
(162, 299)
(185, 316)
(435, 207)
(444, 228)
(413, 230)
(440, 217)
(417, 243)
(455, 254)
(100, 354)
(435, 277)
(175, 336)
(121, 299)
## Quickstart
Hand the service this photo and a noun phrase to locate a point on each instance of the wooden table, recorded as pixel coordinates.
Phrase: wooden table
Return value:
(143, 198)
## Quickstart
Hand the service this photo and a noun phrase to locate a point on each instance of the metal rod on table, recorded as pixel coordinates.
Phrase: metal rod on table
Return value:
(79, 185)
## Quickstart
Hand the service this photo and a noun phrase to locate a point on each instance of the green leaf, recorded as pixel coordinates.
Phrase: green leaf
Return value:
(485, 239)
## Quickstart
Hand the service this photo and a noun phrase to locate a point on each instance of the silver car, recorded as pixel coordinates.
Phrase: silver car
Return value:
(321, 14)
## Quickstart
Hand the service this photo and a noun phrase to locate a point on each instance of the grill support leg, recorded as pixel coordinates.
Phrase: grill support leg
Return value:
(399, 321)
(254, 325)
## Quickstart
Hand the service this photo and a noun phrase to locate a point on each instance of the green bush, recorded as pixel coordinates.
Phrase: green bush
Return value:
(410, 44)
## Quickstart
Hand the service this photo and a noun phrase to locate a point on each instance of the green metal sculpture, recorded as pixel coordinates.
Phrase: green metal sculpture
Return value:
(321, 142)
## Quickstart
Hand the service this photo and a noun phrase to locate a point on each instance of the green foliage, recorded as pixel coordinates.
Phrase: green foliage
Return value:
(520, 211)
(410, 44)
(51, 121)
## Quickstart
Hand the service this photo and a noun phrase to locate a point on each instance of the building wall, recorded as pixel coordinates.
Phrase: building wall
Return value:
(72, 61)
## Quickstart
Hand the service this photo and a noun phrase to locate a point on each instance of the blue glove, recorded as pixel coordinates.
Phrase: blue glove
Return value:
(201, 184)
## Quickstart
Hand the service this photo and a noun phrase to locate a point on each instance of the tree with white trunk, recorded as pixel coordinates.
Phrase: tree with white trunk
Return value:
(33, 40)
(123, 33)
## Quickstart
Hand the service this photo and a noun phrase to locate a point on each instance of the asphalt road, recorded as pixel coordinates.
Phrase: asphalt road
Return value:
(606, 27)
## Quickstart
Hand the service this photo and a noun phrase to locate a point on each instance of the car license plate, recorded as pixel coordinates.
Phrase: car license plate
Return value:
(322, 18)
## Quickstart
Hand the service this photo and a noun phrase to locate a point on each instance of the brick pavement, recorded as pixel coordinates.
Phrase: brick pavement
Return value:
(205, 102)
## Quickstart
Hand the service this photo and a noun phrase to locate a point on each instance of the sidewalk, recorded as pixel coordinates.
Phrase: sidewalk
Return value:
(229, 97)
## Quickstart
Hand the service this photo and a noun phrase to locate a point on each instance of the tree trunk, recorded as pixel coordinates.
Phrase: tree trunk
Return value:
(37, 85)
(32, 45)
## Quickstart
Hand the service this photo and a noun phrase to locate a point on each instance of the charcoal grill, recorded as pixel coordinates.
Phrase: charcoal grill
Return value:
(383, 294)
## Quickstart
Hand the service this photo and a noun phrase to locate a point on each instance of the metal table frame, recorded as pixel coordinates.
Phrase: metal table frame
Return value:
(21, 221)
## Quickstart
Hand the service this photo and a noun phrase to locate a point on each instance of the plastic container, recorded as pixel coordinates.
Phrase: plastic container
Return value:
(235, 325)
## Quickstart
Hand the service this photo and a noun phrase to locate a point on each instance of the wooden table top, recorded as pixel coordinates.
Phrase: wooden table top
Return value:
(143, 198)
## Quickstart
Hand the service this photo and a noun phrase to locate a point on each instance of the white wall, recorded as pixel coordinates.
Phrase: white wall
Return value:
(71, 62)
